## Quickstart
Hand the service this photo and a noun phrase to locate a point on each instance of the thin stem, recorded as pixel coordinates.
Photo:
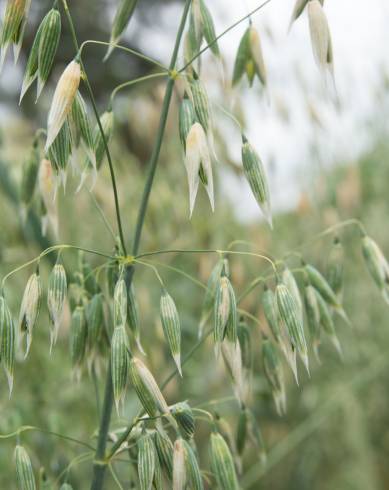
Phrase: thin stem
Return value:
(99, 466)
(124, 48)
(27, 428)
(205, 251)
(230, 115)
(104, 139)
(133, 82)
(153, 268)
(182, 273)
(161, 131)
(209, 45)
(50, 250)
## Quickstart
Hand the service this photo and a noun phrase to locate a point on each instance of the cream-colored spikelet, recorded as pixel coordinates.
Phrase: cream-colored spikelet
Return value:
(47, 184)
(179, 467)
(320, 36)
(257, 55)
(30, 306)
(63, 98)
(198, 158)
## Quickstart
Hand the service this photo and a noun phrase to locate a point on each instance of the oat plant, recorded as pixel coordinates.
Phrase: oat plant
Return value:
(302, 305)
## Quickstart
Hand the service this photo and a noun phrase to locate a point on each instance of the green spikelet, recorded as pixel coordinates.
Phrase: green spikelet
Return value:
(256, 177)
(269, 306)
(147, 389)
(24, 472)
(290, 316)
(335, 267)
(146, 461)
(95, 319)
(82, 127)
(377, 265)
(186, 119)
(120, 303)
(327, 323)
(31, 72)
(210, 294)
(12, 30)
(184, 418)
(222, 464)
(193, 472)
(119, 363)
(274, 374)
(48, 45)
(122, 18)
(242, 58)
(56, 296)
(208, 28)
(78, 337)
(7, 342)
(171, 327)
(164, 449)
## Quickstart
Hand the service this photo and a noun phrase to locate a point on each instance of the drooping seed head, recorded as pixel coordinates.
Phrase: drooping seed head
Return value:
(147, 389)
(95, 319)
(335, 267)
(255, 174)
(222, 464)
(313, 317)
(209, 297)
(171, 327)
(297, 11)
(48, 45)
(271, 313)
(184, 417)
(119, 363)
(179, 466)
(24, 471)
(197, 156)
(59, 153)
(257, 55)
(186, 119)
(274, 374)
(165, 450)
(82, 130)
(327, 323)
(290, 282)
(208, 28)
(377, 265)
(146, 461)
(232, 357)
(78, 338)
(290, 316)
(243, 56)
(47, 189)
(122, 18)
(56, 296)
(320, 36)
(120, 303)
(193, 472)
(12, 31)
(222, 309)
(30, 306)
(63, 98)
(7, 342)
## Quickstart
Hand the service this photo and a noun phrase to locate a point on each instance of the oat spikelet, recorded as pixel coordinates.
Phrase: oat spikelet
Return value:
(179, 467)
(63, 98)
(29, 309)
(320, 37)
(24, 471)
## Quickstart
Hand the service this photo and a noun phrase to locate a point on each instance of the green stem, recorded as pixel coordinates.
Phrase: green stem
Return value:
(104, 139)
(133, 82)
(100, 462)
(123, 48)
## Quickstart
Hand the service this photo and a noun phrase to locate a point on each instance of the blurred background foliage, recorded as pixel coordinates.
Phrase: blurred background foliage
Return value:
(335, 434)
